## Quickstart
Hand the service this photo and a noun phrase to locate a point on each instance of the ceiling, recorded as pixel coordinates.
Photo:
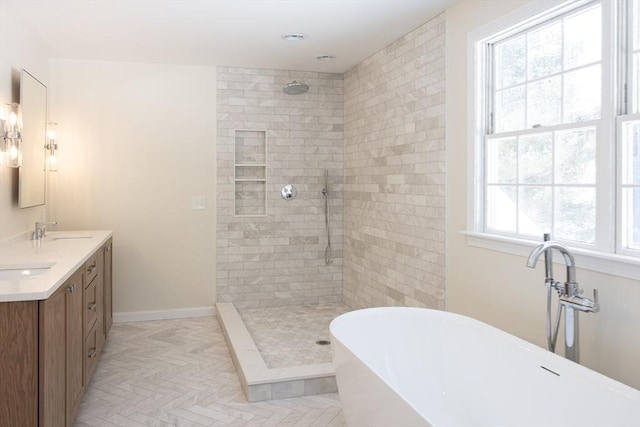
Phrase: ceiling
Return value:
(243, 33)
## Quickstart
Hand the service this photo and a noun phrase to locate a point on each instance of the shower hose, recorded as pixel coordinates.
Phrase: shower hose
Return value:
(325, 192)
(552, 331)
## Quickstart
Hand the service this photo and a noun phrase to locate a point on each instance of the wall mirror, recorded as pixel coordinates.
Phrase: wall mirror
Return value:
(33, 102)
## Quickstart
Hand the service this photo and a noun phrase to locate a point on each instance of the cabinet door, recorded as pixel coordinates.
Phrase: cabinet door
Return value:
(99, 280)
(108, 286)
(94, 319)
(53, 358)
(91, 351)
(91, 301)
(100, 328)
(75, 344)
(19, 363)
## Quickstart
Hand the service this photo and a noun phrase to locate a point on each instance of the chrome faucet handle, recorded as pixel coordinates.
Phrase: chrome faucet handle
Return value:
(596, 301)
(582, 304)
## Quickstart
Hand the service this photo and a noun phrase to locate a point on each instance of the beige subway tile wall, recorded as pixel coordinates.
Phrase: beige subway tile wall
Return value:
(394, 191)
(278, 259)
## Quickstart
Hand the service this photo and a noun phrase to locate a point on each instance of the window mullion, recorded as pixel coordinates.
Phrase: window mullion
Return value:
(490, 78)
(622, 38)
(606, 212)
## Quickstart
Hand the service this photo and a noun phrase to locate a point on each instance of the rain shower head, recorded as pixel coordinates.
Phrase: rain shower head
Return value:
(295, 88)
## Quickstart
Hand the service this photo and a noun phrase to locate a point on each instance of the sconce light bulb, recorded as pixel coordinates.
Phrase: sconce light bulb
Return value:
(13, 152)
(51, 130)
(13, 119)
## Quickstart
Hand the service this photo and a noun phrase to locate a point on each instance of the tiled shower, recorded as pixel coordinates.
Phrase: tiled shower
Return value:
(270, 250)
(394, 194)
(379, 131)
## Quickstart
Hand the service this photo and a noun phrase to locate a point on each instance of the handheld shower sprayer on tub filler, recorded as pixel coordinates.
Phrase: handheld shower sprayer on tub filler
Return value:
(569, 297)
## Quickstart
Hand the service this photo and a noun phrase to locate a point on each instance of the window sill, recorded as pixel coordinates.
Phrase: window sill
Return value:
(616, 265)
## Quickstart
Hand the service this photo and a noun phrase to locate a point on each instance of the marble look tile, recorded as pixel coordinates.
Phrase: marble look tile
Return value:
(180, 373)
(394, 166)
(304, 137)
(259, 392)
(286, 336)
(320, 386)
(250, 364)
(287, 389)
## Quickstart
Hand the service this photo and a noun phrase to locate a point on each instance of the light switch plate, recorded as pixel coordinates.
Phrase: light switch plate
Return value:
(198, 203)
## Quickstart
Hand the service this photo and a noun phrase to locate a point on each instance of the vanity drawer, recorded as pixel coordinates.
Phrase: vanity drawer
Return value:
(91, 352)
(91, 268)
(91, 301)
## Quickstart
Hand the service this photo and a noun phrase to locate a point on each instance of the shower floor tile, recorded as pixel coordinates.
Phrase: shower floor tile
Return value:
(286, 336)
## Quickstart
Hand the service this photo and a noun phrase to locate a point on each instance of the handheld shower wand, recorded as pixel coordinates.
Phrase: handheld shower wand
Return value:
(325, 193)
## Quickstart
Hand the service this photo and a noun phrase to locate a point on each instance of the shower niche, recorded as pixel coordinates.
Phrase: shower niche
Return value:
(250, 172)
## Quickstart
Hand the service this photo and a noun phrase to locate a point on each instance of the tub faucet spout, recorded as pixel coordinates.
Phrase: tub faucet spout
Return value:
(568, 258)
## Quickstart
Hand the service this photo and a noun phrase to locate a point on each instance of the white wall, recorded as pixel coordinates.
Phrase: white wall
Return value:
(19, 49)
(497, 288)
(137, 141)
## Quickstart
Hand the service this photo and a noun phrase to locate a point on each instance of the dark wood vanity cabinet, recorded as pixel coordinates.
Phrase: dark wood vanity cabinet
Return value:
(50, 348)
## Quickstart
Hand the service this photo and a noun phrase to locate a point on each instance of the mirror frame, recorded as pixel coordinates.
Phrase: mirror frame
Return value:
(32, 175)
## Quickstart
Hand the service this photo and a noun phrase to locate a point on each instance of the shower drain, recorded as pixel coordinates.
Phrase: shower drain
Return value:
(323, 342)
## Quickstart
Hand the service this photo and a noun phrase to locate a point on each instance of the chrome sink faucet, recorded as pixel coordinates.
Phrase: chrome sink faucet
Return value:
(569, 297)
(41, 229)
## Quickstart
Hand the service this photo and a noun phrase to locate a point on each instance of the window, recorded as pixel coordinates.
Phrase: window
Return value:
(557, 127)
(630, 185)
(629, 148)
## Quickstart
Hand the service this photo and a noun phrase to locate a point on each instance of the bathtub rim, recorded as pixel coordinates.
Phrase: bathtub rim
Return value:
(546, 357)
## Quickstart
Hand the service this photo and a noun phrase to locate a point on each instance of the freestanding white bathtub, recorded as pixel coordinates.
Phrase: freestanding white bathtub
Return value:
(401, 367)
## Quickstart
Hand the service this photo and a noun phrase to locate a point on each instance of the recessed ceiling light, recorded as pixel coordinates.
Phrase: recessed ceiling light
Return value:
(325, 57)
(293, 36)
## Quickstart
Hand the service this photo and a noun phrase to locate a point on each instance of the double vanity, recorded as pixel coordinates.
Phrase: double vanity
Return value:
(55, 315)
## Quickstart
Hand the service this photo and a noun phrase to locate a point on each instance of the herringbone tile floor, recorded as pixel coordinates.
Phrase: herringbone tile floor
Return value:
(174, 373)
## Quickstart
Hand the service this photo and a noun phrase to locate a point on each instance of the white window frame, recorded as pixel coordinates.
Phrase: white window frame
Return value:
(620, 121)
(603, 258)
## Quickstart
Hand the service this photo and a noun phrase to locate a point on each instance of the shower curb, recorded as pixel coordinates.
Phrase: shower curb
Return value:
(260, 382)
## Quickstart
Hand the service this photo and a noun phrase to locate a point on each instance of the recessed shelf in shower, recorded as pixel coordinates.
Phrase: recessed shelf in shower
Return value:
(250, 172)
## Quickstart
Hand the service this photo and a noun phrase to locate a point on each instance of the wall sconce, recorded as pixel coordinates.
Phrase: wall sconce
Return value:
(12, 135)
(52, 147)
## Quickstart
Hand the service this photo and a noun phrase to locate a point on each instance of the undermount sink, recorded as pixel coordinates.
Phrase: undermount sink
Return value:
(67, 237)
(23, 271)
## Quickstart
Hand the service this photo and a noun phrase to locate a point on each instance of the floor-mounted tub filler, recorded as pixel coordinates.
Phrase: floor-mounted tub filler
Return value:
(401, 366)
(569, 298)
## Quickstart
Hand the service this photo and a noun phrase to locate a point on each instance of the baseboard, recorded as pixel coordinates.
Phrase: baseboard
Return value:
(179, 313)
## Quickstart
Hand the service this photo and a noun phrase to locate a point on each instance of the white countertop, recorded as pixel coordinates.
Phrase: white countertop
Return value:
(67, 255)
